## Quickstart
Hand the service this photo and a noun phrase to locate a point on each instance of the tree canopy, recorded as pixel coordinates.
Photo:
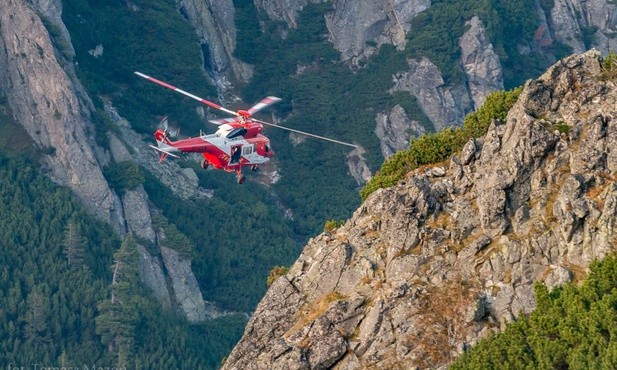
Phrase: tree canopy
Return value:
(572, 327)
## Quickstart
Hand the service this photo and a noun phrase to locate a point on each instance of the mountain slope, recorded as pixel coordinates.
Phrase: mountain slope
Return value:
(336, 83)
(425, 268)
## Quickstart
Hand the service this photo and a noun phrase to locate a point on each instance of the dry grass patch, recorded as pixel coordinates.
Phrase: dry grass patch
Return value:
(313, 310)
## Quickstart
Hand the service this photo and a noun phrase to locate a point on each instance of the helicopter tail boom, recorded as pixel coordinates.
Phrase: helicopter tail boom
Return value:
(165, 152)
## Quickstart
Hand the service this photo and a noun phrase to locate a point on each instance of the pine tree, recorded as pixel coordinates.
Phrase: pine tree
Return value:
(118, 316)
(36, 316)
(74, 244)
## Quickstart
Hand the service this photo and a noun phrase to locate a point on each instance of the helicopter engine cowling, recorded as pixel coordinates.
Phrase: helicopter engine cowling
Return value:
(252, 129)
(239, 131)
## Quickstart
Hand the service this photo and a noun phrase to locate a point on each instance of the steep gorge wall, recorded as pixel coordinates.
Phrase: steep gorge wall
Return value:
(44, 100)
(574, 21)
(48, 101)
(213, 21)
(425, 268)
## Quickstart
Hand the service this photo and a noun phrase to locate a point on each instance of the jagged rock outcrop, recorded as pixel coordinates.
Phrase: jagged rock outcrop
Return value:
(44, 101)
(358, 28)
(443, 105)
(357, 166)
(282, 10)
(480, 62)
(137, 213)
(51, 12)
(572, 21)
(213, 21)
(151, 273)
(395, 129)
(185, 287)
(427, 267)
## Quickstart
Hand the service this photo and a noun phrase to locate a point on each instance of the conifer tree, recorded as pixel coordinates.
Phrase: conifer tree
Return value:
(36, 317)
(117, 318)
(74, 244)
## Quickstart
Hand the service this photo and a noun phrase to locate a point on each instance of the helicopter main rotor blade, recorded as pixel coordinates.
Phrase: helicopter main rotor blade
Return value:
(201, 100)
(265, 102)
(305, 133)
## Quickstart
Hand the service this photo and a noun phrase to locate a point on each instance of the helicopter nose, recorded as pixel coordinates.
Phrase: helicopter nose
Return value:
(268, 150)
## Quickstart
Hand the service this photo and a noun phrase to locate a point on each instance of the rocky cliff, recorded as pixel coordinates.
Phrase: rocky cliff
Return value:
(45, 102)
(214, 24)
(48, 101)
(425, 268)
(580, 24)
(359, 28)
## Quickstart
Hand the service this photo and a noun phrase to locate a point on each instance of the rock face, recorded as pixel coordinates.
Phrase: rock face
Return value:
(395, 129)
(213, 21)
(480, 62)
(282, 10)
(137, 213)
(44, 101)
(153, 277)
(574, 20)
(184, 285)
(357, 166)
(427, 267)
(51, 11)
(359, 28)
(438, 101)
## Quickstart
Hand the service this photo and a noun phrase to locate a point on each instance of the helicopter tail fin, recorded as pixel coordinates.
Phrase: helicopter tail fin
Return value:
(164, 145)
(161, 139)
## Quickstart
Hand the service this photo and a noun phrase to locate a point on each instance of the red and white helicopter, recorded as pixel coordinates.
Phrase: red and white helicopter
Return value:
(236, 144)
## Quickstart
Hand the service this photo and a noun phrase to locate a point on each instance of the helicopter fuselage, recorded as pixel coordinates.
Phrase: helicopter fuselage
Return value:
(223, 152)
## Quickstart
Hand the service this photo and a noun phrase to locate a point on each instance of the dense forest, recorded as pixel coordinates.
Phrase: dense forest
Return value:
(56, 277)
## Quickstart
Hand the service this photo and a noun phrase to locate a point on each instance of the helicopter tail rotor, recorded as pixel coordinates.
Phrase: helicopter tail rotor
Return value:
(171, 133)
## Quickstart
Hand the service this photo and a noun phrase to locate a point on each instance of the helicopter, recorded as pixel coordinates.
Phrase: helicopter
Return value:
(238, 142)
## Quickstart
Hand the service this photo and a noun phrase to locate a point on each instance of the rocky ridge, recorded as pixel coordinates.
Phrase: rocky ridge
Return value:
(425, 268)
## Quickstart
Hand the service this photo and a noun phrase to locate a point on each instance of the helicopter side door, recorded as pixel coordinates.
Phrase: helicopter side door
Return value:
(236, 154)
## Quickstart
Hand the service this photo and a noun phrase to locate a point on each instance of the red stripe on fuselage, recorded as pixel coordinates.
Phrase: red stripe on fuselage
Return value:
(195, 145)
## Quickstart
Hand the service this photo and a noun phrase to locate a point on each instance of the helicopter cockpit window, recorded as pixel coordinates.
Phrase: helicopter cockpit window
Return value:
(248, 149)
(267, 148)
